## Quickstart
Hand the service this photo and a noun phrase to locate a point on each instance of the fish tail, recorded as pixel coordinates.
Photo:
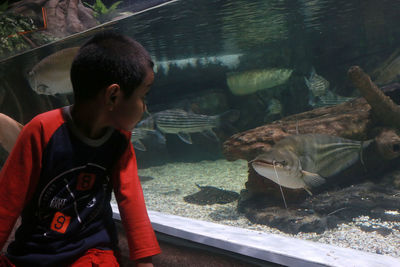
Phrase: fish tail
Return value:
(313, 71)
(227, 118)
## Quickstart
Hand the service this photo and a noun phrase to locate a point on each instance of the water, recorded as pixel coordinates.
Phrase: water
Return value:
(260, 38)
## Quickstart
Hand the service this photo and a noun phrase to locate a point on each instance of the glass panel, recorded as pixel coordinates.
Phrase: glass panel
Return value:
(257, 122)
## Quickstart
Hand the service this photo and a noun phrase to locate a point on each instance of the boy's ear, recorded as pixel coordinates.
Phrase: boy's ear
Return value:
(112, 92)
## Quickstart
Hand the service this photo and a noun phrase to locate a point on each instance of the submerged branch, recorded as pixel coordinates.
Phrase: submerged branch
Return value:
(382, 106)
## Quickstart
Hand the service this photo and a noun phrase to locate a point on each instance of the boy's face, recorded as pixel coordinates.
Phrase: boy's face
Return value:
(129, 111)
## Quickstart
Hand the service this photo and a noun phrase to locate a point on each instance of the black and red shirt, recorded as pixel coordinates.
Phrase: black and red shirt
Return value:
(61, 182)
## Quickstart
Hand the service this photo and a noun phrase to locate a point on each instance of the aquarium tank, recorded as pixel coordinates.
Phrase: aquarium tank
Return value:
(280, 116)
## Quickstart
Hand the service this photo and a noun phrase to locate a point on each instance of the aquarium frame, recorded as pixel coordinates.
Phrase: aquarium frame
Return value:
(266, 247)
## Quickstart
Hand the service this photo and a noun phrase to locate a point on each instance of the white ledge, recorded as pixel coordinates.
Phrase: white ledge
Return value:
(263, 246)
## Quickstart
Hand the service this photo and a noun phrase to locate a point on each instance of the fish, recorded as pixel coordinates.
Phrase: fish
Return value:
(144, 178)
(9, 131)
(183, 123)
(230, 61)
(274, 109)
(139, 133)
(309, 160)
(316, 83)
(329, 99)
(389, 71)
(209, 195)
(51, 75)
(248, 82)
(274, 106)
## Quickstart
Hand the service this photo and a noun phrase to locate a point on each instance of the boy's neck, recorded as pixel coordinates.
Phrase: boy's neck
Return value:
(89, 120)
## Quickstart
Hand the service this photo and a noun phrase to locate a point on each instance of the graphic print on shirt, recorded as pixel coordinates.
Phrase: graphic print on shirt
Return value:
(73, 199)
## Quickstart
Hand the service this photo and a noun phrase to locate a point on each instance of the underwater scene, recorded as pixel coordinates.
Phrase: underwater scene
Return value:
(280, 116)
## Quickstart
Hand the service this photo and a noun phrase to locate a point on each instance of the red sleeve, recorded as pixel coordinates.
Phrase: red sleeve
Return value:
(128, 192)
(20, 173)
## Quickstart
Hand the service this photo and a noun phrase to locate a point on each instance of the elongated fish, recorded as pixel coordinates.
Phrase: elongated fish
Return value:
(228, 61)
(329, 99)
(50, 76)
(183, 123)
(248, 82)
(309, 160)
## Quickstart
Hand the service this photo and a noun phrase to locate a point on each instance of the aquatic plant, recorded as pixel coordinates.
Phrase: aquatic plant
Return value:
(10, 24)
(101, 12)
(12, 39)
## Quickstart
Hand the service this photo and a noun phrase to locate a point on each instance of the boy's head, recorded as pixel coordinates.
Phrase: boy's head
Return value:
(114, 72)
(109, 58)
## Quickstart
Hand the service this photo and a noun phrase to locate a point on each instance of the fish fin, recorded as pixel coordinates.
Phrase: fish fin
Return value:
(160, 136)
(313, 71)
(307, 82)
(198, 186)
(210, 134)
(308, 190)
(227, 118)
(146, 114)
(139, 145)
(185, 137)
(312, 179)
(63, 98)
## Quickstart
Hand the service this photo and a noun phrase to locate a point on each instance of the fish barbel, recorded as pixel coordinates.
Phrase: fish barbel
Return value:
(51, 75)
(307, 161)
(183, 123)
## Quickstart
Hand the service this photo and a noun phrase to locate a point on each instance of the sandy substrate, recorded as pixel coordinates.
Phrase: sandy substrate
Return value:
(173, 181)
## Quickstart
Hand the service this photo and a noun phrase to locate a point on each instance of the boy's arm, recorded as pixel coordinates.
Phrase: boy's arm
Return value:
(19, 177)
(128, 192)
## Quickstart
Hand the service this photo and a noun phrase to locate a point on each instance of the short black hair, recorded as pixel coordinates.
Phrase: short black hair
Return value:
(107, 58)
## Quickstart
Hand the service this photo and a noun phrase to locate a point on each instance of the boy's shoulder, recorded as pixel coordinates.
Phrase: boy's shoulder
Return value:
(47, 120)
(55, 114)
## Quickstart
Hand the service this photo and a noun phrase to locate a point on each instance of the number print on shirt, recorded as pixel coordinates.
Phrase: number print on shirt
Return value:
(85, 181)
(60, 222)
(74, 198)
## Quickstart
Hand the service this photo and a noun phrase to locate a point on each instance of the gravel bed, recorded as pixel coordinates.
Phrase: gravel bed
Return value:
(173, 181)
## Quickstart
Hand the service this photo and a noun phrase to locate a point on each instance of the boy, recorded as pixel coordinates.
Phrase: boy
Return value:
(61, 172)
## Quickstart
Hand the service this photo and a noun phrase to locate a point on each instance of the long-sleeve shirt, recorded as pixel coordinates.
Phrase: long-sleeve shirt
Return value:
(60, 182)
